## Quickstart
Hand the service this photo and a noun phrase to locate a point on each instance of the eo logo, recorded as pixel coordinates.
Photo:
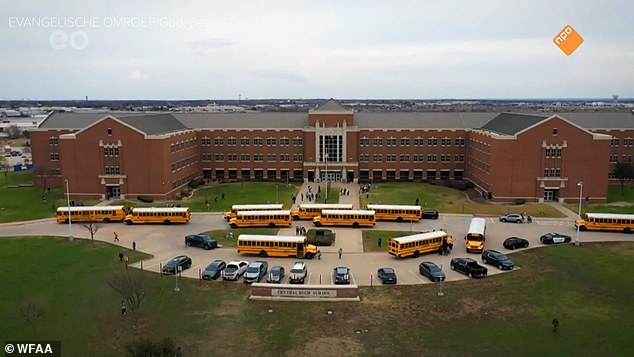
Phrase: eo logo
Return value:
(568, 40)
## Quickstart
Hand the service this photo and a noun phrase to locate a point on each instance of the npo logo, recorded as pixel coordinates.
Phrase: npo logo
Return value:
(568, 40)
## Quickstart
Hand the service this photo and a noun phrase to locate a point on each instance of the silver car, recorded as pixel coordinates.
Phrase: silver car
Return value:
(512, 217)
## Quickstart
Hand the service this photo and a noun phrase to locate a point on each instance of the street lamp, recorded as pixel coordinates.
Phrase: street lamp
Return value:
(326, 157)
(580, 184)
(70, 221)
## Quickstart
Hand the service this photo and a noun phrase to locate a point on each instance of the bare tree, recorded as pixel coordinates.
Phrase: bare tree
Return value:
(14, 132)
(31, 312)
(42, 174)
(132, 287)
(624, 172)
(92, 228)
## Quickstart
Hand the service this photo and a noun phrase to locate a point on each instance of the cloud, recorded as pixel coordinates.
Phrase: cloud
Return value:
(138, 76)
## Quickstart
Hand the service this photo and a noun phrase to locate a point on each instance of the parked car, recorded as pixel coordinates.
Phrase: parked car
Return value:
(469, 267)
(235, 269)
(386, 275)
(177, 264)
(512, 217)
(214, 270)
(200, 240)
(493, 257)
(554, 238)
(431, 271)
(515, 242)
(341, 275)
(429, 214)
(255, 271)
(276, 275)
(298, 273)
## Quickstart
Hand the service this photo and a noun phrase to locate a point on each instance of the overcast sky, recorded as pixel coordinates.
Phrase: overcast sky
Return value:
(211, 49)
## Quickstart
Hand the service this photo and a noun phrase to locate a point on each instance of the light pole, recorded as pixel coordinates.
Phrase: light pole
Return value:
(326, 157)
(580, 184)
(70, 221)
(277, 199)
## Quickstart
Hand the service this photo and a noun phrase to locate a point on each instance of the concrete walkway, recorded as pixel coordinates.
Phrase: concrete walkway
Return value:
(563, 209)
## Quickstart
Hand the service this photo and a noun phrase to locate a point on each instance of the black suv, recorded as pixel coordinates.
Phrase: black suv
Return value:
(177, 264)
(495, 258)
(213, 270)
(429, 214)
(200, 240)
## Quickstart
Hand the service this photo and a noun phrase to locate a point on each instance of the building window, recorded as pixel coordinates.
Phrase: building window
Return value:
(244, 141)
(364, 158)
(404, 141)
(54, 156)
(628, 142)
(390, 158)
(258, 157)
(206, 156)
(271, 157)
(232, 157)
(219, 157)
(378, 141)
(53, 140)
(285, 157)
(109, 131)
(298, 157)
(111, 151)
(554, 131)
(232, 141)
(419, 158)
(614, 158)
(245, 157)
(270, 141)
(445, 141)
(431, 158)
(258, 141)
(219, 141)
(284, 141)
(364, 141)
(205, 141)
(298, 141)
(432, 141)
(627, 159)
(611, 175)
(111, 170)
(445, 158)
(615, 142)
(377, 158)
(459, 142)
(391, 141)
(418, 141)
(458, 158)
(404, 158)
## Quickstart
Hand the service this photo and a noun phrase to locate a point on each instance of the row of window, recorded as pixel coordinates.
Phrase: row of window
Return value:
(614, 158)
(53, 140)
(405, 141)
(183, 180)
(187, 144)
(627, 142)
(479, 164)
(111, 151)
(112, 170)
(552, 172)
(257, 141)
(482, 147)
(550, 153)
(257, 157)
(418, 243)
(247, 243)
(182, 163)
(406, 158)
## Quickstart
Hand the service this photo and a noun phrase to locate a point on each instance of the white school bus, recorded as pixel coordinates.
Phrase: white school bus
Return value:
(276, 246)
(417, 244)
(254, 207)
(104, 214)
(165, 215)
(312, 210)
(261, 219)
(355, 218)
(398, 213)
(476, 235)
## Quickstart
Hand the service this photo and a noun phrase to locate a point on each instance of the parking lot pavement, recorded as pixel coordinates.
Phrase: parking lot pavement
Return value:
(165, 242)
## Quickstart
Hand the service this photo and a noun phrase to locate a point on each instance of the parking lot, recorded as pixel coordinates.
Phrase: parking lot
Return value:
(165, 242)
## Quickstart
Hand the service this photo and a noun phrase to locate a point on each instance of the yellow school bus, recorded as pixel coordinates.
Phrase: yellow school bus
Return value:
(280, 218)
(165, 215)
(606, 222)
(417, 244)
(355, 218)
(312, 210)
(104, 214)
(255, 207)
(476, 235)
(276, 246)
(398, 213)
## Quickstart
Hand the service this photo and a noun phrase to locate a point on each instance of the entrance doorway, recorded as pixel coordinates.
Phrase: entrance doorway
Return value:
(331, 176)
(113, 192)
(550, 195)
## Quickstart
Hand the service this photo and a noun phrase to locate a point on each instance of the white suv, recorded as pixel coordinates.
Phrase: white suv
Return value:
(298, 273)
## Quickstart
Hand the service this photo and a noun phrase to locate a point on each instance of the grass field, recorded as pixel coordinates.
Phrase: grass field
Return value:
(21, 203)
(588, 289)
(446, 199)
(617, 202)
(371, 239)
(222, 238)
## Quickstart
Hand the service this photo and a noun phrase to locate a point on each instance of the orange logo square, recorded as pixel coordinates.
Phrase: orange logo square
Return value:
(568, 40)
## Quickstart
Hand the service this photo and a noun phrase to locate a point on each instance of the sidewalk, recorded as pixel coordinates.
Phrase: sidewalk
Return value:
(559, 207)
(352, 198)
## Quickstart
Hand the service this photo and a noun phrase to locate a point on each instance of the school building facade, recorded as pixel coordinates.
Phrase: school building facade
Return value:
(536, 157)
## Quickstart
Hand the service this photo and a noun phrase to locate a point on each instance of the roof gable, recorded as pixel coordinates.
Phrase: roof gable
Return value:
(154, 124)
(331, 106)
(512, 123)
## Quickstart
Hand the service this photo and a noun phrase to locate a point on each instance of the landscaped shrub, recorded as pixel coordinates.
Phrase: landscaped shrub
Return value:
(146, 199)
(185, 193)
(519, 201)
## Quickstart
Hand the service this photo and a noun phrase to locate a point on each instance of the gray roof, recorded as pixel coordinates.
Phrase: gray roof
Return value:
(68, 120)
(154, 124)
(331, 106)
(255, 120)
(421, 120)
(622, 120)
(512, 123)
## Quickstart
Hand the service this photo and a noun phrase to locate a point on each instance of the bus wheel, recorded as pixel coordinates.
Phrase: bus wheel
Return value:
(399, 219)
(582, 228)
(66, 221)
(317, 224)
(128, 222)
(272, 225)
(296, 218)
(416, 254)
(626, 230)
(355, 225)
(263, 254)
(106, 220)
(309, 255)
(167, 221)
(233, 225)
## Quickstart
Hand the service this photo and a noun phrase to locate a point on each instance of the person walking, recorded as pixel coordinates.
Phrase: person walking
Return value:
(121, 257)
(133, 245)
(380, 241)
(116, 237)
(340, 252)
(123, 308)
(318, 254)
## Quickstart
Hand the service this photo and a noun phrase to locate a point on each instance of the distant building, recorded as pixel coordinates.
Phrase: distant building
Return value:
(507, 156)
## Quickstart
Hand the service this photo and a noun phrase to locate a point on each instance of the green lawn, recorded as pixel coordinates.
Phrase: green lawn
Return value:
(617, 202)
(615, 195)
(21, 203)
(371, 239)
(223, 238)
(588, 289)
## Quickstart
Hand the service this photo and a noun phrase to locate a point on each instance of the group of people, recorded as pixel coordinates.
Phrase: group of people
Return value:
(344, 192)
(446, 247)
(300, 231)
